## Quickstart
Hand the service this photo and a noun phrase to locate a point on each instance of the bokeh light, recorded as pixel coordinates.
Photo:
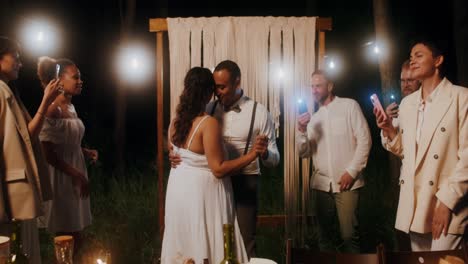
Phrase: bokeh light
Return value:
(39, 37)
(134, 63)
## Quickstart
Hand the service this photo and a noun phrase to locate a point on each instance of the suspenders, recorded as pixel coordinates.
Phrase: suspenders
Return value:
(252, 121)
(214, 107)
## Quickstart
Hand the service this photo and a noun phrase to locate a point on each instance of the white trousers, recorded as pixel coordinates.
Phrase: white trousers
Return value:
(424, 242)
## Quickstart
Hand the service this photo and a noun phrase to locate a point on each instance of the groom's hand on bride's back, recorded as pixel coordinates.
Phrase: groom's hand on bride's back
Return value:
(174, 159)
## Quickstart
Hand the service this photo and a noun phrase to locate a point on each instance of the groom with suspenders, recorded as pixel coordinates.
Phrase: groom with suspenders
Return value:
(242, 119)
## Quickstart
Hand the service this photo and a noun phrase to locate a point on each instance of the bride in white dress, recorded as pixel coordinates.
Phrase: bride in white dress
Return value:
(199, 197)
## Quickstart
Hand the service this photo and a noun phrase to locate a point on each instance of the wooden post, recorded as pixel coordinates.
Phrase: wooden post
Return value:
(321, 49)
(160, 126)
(288, 250)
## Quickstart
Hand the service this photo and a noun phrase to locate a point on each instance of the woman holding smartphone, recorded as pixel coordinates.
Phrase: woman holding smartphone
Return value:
(25, 177)
(61, 137)
(432, 142)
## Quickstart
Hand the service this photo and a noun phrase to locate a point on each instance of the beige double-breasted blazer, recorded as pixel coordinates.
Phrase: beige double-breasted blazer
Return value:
(437, 169)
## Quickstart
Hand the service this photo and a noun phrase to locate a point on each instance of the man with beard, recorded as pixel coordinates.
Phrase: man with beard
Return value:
(337, 138)
(408, 85)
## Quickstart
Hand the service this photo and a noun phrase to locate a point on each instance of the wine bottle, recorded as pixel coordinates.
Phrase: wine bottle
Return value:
(228, 236)
(17, 255)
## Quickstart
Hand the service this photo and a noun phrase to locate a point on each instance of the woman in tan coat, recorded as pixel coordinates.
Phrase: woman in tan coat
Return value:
(433, 144)
(24, 176)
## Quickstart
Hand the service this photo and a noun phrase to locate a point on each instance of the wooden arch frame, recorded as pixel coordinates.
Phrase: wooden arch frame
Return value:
(159, 26)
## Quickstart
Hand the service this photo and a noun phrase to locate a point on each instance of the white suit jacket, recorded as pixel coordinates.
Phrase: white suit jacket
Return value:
(438, 171)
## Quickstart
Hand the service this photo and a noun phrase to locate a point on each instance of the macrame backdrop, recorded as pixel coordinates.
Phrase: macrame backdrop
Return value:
(276, 56)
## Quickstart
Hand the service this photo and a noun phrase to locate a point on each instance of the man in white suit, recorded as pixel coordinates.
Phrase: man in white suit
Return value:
(432, 141)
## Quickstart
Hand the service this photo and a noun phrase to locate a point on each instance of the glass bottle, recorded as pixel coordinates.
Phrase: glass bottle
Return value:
(17, 255)
(228, 236)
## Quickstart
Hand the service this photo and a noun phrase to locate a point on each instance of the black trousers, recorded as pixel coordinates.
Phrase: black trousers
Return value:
(245, 189)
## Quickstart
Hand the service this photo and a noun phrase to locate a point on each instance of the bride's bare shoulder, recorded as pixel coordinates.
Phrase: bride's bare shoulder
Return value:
(211, 121)
(210, 124)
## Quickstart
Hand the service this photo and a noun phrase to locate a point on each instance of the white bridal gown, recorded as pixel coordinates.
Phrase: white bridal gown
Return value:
(197, 206)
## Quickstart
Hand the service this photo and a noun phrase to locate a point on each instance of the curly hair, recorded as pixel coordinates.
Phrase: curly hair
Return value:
(198, 89)
(46, 68)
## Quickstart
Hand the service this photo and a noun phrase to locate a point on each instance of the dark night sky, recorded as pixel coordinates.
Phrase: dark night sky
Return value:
(90, 31)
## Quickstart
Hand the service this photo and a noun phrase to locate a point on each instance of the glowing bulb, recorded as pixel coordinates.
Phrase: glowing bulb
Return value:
(392, 96)
(135, 63)
(40, 36)
(376, 50)
(299, 101)
(280, 73)
(331, 65)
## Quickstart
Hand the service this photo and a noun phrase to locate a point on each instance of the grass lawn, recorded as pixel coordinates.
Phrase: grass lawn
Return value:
(125, 215)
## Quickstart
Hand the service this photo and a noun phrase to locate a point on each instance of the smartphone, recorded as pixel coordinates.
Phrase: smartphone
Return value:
(301, 106)
(376, 102)
(57, 74)
(57, 71)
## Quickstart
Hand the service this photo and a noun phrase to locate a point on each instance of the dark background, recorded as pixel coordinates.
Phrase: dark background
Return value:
(90, 32)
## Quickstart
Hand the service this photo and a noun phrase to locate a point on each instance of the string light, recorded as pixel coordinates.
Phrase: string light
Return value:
(39, 36)
(134, 63)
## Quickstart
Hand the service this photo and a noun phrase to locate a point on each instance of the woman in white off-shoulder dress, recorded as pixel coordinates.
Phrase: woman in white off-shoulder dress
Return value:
(69, 212)
(199, 197)
(70, 209)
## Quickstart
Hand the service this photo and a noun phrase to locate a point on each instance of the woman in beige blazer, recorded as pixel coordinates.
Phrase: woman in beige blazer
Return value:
(24, 176)
(433, 144)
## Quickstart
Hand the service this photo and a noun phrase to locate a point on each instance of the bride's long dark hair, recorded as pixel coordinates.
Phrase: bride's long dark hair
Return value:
(198, 88)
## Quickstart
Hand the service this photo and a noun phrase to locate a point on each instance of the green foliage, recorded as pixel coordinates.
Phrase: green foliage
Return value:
(124, 218)
(271, 191)
(125, 213)
(271, 243)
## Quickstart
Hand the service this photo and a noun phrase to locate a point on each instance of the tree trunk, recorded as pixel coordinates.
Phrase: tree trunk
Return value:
(460, 29)
(383, 39)
(127, 15)
(388, 77)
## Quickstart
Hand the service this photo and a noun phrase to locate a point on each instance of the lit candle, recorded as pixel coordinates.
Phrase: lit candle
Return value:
(99, 261)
